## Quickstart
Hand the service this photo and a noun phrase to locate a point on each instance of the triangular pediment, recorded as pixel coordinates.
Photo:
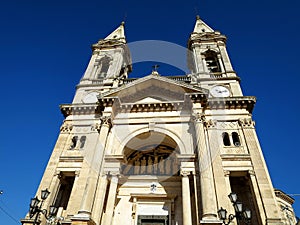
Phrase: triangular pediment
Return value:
(149, 100)
(153, 89)
(201, 27)
(117, 34)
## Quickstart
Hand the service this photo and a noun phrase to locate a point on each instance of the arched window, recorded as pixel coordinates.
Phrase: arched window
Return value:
(236, 139)
(74, 142)
(104, 66)
(82, 141)
(212, 61)
(226, 140)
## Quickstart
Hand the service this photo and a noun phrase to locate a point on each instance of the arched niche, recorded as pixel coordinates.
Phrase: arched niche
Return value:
(151, 153)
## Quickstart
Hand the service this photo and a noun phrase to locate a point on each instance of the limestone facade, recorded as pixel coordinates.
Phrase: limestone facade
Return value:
(159, 149)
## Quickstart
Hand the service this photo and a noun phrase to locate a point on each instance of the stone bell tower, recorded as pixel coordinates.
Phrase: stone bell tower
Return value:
(159, 149)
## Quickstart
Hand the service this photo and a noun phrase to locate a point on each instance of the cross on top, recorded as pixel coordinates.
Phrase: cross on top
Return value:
(155, 67)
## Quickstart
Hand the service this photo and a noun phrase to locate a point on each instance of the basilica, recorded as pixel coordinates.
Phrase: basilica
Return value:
(159, 150)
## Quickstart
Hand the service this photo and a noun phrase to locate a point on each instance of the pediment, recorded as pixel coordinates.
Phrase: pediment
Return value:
(149, 100)
(153, 89)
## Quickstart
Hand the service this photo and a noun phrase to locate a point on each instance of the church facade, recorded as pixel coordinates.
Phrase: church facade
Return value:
(160, 149)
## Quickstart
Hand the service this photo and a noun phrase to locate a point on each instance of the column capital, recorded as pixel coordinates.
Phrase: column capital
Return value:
(198, 117)
(106, 121)
(226, 173)
(96, 127)
(246, 123)
(251, 172)
(66, 127)
(77, 173)
(185, 173)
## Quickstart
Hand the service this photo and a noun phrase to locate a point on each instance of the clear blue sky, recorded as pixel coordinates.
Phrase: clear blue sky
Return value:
(45, 47)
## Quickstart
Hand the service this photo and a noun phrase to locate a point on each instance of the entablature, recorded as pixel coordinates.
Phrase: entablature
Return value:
(79, 109)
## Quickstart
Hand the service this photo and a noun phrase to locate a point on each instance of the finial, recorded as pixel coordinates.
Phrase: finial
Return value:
(122, 23)
(198, 17)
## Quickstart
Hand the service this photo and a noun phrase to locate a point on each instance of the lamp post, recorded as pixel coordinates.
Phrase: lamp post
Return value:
(36, 208)
(241, 214)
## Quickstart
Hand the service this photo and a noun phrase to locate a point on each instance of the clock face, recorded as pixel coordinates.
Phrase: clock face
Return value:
(219, 91)
(91, 97)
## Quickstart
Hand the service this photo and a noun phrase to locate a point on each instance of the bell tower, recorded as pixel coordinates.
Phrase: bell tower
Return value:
(109, 65)
(208, 60)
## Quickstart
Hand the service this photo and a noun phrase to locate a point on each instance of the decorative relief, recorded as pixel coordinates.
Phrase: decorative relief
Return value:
(210, 123)
(239, 150)
(246, 122)
(66, 128)
(228, 124)
(157, 161)
(200, 118)
(96, 127)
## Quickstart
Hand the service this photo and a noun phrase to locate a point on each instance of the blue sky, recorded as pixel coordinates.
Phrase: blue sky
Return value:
(45, 47)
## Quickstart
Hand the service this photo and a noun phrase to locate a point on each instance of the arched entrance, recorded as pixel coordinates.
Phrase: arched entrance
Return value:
(150, 183)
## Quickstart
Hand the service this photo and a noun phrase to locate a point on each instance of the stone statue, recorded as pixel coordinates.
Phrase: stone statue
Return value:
(168, 165)
(175, 168)
(155, 164)
(161, 166)
(143, 165)
(137, 167)
(150, 164)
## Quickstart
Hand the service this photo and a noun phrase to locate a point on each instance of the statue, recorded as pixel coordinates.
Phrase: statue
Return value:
(155, 165)
(150, 164)
(143, 165)
(175, 168)
(137, 167)
(161, 166)
(168, 165)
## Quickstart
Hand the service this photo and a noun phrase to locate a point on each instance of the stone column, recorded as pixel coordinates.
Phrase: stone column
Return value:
(205, 69)
(186, 198)
(88, 198)
(99, 199)
(208, 194)
(110, 205)
(221, 63)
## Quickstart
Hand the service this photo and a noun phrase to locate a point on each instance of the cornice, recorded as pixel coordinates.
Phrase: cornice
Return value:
(284, 196)
(79, 109)
(206, 37)
(106, 44)
(244, 102)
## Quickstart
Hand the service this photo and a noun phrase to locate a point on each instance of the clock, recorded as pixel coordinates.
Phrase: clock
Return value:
(91, 97)
(219, 91)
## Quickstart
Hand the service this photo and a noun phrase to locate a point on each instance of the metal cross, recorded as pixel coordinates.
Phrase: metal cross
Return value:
(155, 67)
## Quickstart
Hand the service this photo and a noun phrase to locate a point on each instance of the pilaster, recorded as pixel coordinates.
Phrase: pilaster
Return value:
(265, 188)
(94, 171)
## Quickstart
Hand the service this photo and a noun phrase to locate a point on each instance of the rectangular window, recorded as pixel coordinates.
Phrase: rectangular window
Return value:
(64, 191)
(242, 186)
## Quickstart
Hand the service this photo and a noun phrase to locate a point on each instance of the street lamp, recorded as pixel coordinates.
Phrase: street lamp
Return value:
(36, 207)
(240, 213)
